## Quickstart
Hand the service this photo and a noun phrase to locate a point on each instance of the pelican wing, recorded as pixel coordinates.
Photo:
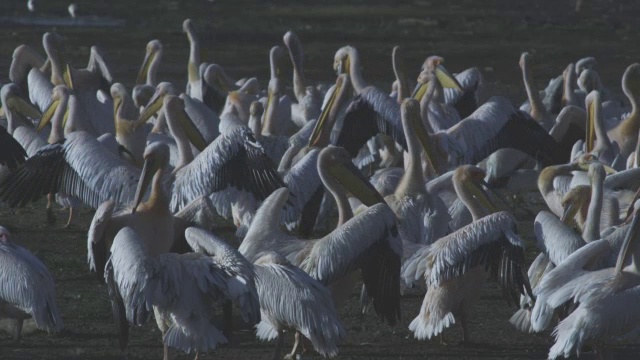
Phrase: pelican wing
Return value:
(27, 284)
(304, 182)
(234, 159)
(370, 113)
(233, 263)
(490, 242)
(465, 102)
(496, 125)
(294, 298)
(80, 167)
(554, 238)
(11, 152)
(368, 242)
(97, 251)
(98, 66)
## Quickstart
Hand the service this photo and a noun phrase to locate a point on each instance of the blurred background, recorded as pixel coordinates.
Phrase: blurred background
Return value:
(237, 34)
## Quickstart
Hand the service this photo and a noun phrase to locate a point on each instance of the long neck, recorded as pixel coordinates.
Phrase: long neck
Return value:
(194, 57)
(601, 133)
(412, 181)
(57, 131)
(537, 108)
(545, 179)
(475, 208)
(269, 122)
(355, 71)
(569, 79)
(152, 72)
(24, 59)
(158, 200)
(344, 208)
(299, 87)
(77, 119)
(591, 230)
(185, 154)
(425, 102)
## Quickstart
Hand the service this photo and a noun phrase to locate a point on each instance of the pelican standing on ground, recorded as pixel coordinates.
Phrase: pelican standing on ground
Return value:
(26, 288)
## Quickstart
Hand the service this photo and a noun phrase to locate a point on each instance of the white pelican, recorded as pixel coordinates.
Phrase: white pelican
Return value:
(604, 298)
(183, 289)
(436, 114)
(460, 91)
(194, 81)
(26, 288)
(18, 114)
(625, 133)
(334, 258)
(149, 69)
(309, 98)
(274, 145)
(456, 266)
(291, 299)
(401, 85)
(277, 113)
(538, 112)
(24, 59)
(218, 85)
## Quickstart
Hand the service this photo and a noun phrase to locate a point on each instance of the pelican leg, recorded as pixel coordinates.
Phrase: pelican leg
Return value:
(292, 355)
(17, 335)
(70, 217)
(279, 342)
(166, 351)
(51, 218)
(465, 328)
(197, 355)
(442, 342)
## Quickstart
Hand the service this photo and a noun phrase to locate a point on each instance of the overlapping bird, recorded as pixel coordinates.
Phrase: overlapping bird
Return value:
(327, 187)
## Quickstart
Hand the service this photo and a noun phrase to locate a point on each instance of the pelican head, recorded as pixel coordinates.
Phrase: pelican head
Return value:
(54, 46)
(410, 113)
(585, 63)
(155, 103)
(11, 101)
(59, 96)
(187, 27)
(467, 179)
(174, 107)
(336, 163)
(153, 54)
(327, 118)
(589, 80)
(141, 94)
(5, 235)
(584, 161)
(342, 61)
(574, 201)
(156, 158)
(276, 59)
(631, 81)
(433, 65)
(215, 76)
(294, 46)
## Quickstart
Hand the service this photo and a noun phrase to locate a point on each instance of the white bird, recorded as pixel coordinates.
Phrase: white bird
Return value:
(26, 288)
(291, 299)
(308, 96)
(183, 289)
(72, 8)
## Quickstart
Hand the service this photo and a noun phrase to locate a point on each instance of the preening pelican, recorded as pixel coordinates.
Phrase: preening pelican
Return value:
(455, 267)
(23, 60)
(26, 288)
(183, 289)
(291, 299)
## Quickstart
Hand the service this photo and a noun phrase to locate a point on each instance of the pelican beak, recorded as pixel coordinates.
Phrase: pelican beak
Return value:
(192, 132)
(271, 98)
(591, 130)
(66, 75)
(609, 170)
(632, 237)
(148, 171)
(221, 85)
(423, 137)
(570, 210)
(154, 105)
(20, 105)
(477, 192)
(144, 69)
(494, 193)
(357, 184)
(322, 119)
(446, 79)
(420, 90)
(48, 115)
(342, 66)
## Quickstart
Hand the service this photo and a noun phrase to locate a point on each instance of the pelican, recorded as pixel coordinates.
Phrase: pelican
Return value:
(27, 289)
(291, 299)
(18, 112)
(309, 98)
(463, 98)
(421, 215)
(604, 149)
(274, 145)
(150, 64)
(538, 112)
(183, 289)
(194, 81)
(345, 246)
(625, 133)
(277, 113)
(436, 114)
(604, 297)
(401, 85)
(203, 118)
(455, 266)
(24, 59)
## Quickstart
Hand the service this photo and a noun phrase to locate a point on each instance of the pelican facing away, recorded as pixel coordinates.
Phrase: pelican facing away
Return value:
(183, 289)
(26, 288)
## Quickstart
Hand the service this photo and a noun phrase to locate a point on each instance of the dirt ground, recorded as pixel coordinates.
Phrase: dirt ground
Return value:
(489, 34)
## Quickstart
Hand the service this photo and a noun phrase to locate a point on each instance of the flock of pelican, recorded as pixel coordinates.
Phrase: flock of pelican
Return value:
(326, 188)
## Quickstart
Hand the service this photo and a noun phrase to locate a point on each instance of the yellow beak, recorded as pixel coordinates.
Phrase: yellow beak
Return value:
(148, 171)
(322, 119)
(144, 69)
(48, 115)
(154, 105)
(192, 132)
(357, 184)
(18, 104)
(446, 79)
